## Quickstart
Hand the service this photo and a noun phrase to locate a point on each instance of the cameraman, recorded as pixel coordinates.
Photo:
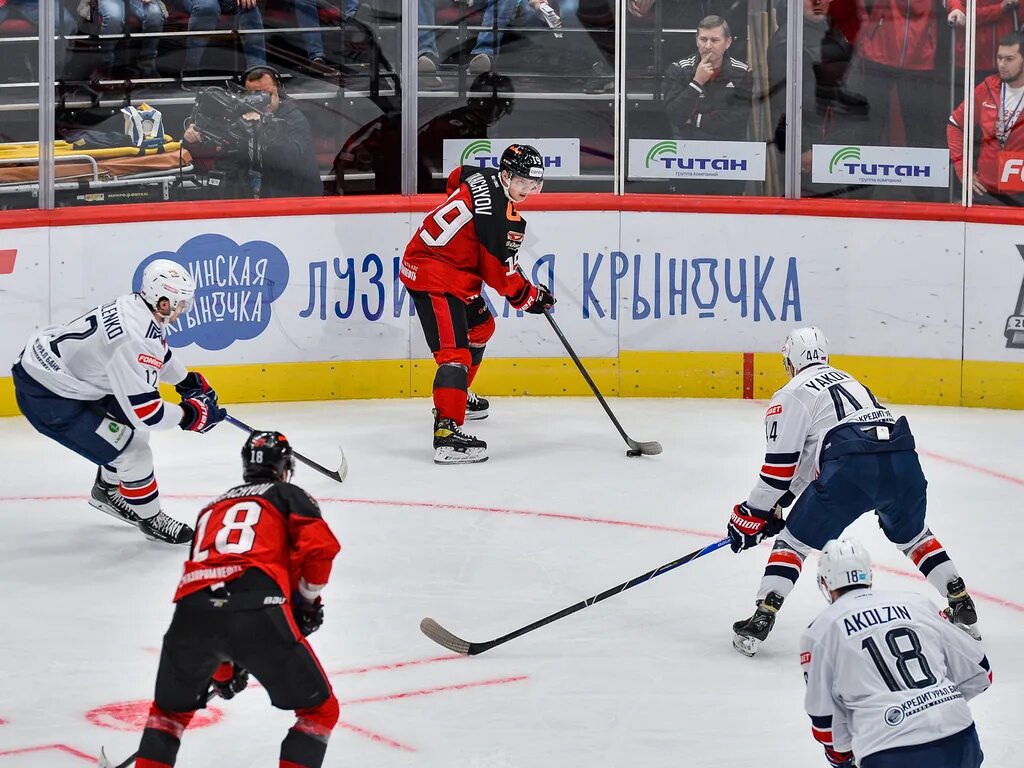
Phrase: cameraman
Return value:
(279, 158)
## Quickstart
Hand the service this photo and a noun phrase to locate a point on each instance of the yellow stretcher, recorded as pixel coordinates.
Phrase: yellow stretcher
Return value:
(19, 162)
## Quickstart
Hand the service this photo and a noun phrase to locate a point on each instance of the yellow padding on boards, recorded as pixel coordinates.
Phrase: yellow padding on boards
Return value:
(636, 374)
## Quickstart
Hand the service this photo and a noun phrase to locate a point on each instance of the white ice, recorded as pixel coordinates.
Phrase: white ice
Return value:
(647, 678)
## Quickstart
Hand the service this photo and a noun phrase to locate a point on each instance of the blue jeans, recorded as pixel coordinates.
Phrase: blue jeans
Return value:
(111, 14)
(64, 22)
(486, 42)
(203, 17)
(306, 15)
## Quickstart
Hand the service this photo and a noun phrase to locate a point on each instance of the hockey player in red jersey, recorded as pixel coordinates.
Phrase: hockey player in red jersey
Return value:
(249, 595)
(472, 238)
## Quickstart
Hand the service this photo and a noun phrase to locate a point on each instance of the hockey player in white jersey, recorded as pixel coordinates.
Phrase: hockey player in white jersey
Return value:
(888, 676)
(91, 385)
(839, 453)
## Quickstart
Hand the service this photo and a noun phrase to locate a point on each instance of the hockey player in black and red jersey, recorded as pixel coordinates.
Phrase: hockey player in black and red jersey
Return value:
(839, 453)
(92, 385)
(472, 238)
(249, 595)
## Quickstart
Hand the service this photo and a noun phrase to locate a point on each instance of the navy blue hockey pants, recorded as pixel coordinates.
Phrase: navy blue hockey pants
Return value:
(94, 429)
(961, 750)
(860, 473)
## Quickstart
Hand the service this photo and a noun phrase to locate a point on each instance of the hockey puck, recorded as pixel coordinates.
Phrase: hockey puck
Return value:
(634, 452)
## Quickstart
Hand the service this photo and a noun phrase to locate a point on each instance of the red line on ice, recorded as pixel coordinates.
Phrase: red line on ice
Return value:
(431, 691)
(973, 467)
(46, 747)
(372, 736)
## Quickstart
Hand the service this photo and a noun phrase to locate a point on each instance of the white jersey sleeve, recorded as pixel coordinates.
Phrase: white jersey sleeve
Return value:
(115, 349)
(883, 670)
(785, 427)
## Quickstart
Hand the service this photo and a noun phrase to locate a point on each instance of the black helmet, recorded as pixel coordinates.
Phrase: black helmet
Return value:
(266, 456)
(523, 160)
(498, 100)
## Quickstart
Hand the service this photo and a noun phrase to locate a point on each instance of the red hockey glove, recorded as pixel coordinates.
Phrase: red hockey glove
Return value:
(201, 413)
(540, 300)
(839, 759)
(748, 527)
(193, 384)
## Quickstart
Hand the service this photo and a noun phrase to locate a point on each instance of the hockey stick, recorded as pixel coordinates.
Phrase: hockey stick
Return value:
(636, 447)
(339, 474)
(442, 636)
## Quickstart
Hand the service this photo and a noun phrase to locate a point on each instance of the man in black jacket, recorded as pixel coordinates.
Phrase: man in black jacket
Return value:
(709, 97)
(280, 160)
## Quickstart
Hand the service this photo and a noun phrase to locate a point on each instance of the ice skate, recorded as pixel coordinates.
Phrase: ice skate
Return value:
(160, 527)
(961, 609)
(106, 497)
(453, 446)
(476, 407)
(750, 633)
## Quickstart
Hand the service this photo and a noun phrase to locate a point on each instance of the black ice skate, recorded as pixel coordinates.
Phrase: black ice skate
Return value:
(106, 497)
(750, 633)
(961, 609)
(160, 527)
(453, 446)
(476, 407)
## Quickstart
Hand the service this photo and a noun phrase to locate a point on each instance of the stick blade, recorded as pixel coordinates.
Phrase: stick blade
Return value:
(443, 637)
(648, 448)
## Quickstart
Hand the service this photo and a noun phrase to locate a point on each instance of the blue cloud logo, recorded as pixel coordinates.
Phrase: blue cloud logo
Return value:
(235, 286)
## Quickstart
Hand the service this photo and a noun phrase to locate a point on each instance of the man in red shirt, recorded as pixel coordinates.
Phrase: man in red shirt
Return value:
(995, 20)
(248, 597)
(998, 105)
(472, 238)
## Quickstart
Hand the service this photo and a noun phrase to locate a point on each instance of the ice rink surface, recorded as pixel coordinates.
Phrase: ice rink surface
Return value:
(647, 678)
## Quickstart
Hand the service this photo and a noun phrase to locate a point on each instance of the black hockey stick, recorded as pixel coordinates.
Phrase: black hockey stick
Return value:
(636, 447)
(339, 474)
(442, 636)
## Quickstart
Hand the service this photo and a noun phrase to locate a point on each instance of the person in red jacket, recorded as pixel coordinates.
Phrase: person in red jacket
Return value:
(248, 597)
(472, 238)
(995, 20)
(896, 48)
(998, 105)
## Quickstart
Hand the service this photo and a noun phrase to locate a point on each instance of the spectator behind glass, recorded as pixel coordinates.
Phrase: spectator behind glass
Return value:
(998, 103)
(203, 18)
(487, 43)
(598, 18)
(709, 97)
(284, 165)
(996, 19)
(830, 113)
(370, 148)
(151, 13)
(64, 22)
(896, 48)
(307, 16)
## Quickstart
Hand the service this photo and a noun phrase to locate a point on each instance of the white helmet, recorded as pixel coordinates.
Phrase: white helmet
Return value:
(843, 563)
(166, 279)
(803, 347)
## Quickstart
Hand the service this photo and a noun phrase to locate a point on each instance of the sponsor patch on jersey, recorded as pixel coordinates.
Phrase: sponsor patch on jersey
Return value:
(894, 716)
(805, 657)
(516, 237)
(114, 432)
(153, 362)
(775, 410)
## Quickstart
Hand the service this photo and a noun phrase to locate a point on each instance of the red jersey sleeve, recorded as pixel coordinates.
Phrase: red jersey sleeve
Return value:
(314, 546)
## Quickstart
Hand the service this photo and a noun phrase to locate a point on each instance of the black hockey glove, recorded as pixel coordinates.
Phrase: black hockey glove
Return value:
(201, 412)
(308, 615)
(541, 300)
(748, 527)
(839, 759)
(193, 384)
(227, 689)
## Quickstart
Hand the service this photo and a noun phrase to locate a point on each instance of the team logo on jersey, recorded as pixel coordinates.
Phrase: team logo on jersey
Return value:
(153, 362)
(236, 283)
(1015, 323)
(775, 410)
(894, 716)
